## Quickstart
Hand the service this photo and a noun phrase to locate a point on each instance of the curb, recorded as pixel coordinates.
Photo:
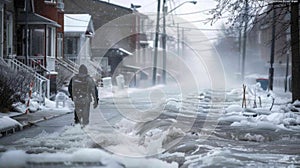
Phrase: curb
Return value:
(31, 123)
(17, 128)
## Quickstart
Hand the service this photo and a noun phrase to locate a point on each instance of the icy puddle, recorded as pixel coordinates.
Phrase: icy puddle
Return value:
(207, 129)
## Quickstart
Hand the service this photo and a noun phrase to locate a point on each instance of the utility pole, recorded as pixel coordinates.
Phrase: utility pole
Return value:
(244, 39)
(271, 69)
(156, 45)
(164, 41)
(286, 71)
(295, 50)
(26, 32)
(178, 40)
(182, 42)
(240, 50)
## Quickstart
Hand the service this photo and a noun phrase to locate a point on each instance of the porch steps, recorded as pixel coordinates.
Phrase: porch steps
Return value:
(68, 65)
(41, 83)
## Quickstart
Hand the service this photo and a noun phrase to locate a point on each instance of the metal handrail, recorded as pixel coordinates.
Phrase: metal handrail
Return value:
(36, 64)
(72, 68)
(41, 83)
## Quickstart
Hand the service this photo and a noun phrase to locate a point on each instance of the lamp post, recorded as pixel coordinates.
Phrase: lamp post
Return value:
(164, 43)
(164, 35)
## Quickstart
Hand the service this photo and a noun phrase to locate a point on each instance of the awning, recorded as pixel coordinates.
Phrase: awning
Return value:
(125, 51)
(132, 68)
(77, 23)
(35, 19)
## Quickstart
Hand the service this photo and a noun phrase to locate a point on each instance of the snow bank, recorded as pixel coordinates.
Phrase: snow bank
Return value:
(279, 117)
(13, 159)
(141, 139)
(218, 157)
(8, 123)
(18, 158)
(73, 145)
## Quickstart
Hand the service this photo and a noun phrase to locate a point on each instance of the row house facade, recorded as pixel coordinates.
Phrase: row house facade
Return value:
(32, 31)
(31, 38)
(43, 20)
(119, 32)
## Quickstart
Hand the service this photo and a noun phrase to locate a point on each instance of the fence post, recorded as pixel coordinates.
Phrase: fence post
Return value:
(29, 97)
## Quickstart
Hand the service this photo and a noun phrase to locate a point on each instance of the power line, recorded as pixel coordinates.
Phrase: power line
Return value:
(190, 13)
(194, 28)
(75, 19)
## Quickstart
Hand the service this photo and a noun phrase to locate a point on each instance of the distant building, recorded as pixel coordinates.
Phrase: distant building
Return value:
(78, 29)
(119, 32)
(260, 41)
(260, 36)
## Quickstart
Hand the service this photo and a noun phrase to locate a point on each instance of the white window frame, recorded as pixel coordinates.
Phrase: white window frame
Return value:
(50, 1)
(52, 36)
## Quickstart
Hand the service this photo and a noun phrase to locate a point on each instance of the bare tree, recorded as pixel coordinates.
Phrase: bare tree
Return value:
(295, 50)
(237, 12)
(13, 87)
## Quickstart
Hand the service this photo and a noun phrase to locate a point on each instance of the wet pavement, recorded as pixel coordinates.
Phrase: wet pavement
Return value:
(206, 142)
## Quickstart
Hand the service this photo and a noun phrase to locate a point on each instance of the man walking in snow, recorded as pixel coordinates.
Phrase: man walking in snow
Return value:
(82, 88)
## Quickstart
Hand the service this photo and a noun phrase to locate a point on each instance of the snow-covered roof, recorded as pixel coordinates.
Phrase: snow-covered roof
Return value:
(78, 23)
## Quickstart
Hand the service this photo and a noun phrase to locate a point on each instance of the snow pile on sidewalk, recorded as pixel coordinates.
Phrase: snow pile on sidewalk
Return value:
(85, 156)
(36, 104)
(279, 115)
(74, 147)
(7, 123)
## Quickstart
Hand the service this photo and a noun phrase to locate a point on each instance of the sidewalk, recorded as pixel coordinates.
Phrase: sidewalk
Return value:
(30, 119)
(15, 121)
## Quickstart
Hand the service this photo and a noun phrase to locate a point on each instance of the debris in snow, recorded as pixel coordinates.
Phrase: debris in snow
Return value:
(297, 103)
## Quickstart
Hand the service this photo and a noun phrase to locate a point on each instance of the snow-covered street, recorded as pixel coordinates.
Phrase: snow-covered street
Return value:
(157, 127)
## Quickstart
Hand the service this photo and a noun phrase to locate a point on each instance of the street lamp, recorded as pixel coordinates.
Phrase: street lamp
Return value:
(164, 35)
(134, 7)
(193, 2)
(137, 28)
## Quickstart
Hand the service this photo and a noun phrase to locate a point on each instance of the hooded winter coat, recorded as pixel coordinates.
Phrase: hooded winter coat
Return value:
(82, 87)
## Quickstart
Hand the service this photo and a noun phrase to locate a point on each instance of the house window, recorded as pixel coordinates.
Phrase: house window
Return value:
(37, 42)
(71, 47)
(51, 41)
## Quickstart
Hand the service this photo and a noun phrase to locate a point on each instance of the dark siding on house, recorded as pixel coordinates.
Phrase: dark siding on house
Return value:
(103, 13)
